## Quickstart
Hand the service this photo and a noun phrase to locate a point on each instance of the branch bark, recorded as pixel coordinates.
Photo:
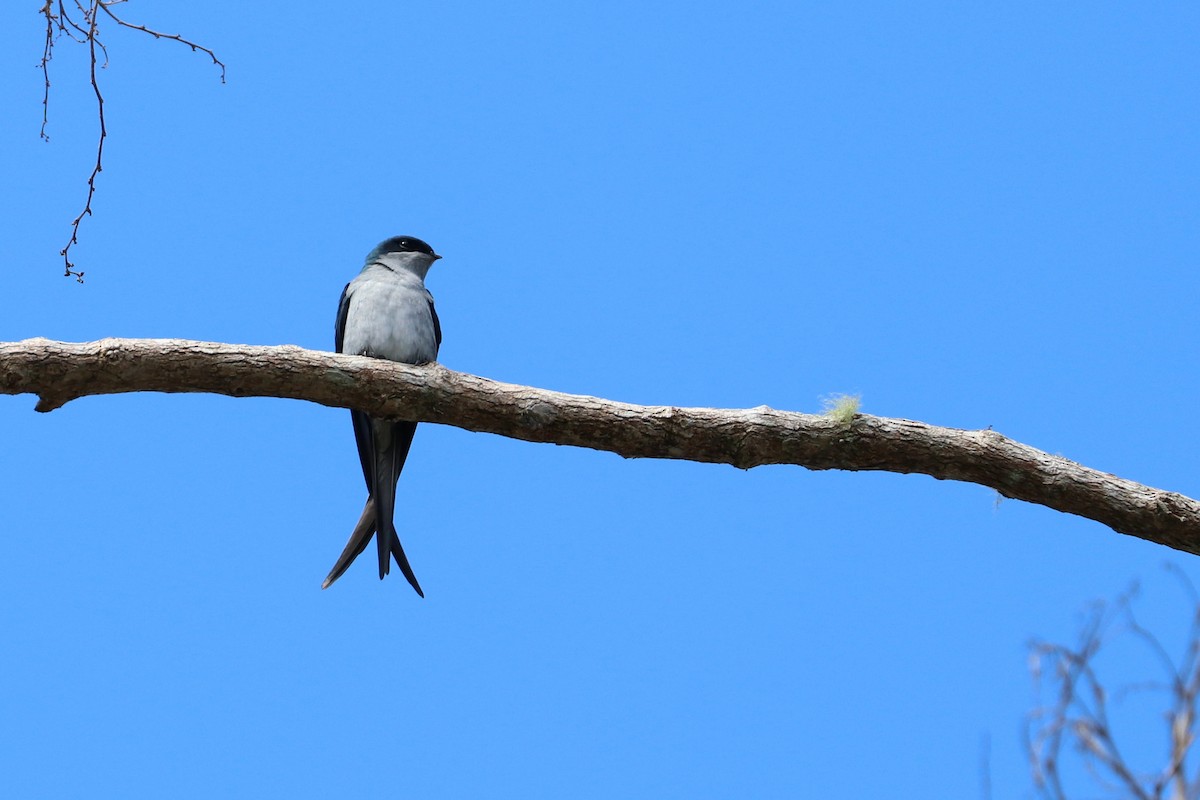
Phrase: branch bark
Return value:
(59, 372)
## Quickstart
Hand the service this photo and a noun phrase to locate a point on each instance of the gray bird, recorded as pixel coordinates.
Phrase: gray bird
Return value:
(386, 312)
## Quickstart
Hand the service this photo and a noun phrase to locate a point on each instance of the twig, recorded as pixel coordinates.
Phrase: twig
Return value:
(160, 35)
(87, 206)
(1080, 713)
(47, 54)
(57, 16)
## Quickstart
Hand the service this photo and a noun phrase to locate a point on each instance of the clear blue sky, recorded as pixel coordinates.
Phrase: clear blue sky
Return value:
(972, 214)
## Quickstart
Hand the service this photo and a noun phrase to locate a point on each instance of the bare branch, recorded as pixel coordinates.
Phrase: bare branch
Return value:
(60, 372)
(58, 17)
(1079, 712)
(67, 24)
(47, 54)
(87, 206)
(106, 7)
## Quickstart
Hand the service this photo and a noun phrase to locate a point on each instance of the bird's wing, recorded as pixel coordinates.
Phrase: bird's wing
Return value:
(339, 326)
(362, 423)
(365, 439)
(437, 324)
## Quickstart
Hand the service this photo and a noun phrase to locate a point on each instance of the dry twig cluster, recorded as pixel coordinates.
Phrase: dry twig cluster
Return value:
(79, 21)
(1078, 719)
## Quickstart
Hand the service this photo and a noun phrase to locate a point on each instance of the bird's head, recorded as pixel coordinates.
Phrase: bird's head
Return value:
(407, 252)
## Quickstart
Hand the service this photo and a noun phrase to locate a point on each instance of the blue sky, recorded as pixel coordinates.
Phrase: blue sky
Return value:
(970, 214)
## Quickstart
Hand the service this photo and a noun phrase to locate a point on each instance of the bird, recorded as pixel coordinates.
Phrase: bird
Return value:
(386, 312)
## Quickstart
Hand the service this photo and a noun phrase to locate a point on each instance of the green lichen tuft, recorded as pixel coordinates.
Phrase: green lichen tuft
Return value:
(841, 408)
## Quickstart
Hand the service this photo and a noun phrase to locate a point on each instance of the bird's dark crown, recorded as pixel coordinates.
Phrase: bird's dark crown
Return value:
(400, 244)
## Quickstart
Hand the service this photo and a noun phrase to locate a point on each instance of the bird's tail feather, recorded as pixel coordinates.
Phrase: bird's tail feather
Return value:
(389, 445)
(356, 544)
(402, 436)
(402, 561)
(385, 494)
(389, 461)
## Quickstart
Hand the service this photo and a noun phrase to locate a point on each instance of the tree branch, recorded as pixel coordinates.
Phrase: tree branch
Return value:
(88, 31)
(59, 372)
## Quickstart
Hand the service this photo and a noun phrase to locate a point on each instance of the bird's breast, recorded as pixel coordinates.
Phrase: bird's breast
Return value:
(390, 320)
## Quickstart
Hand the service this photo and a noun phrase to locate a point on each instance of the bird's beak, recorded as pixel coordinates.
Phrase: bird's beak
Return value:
(436, 256)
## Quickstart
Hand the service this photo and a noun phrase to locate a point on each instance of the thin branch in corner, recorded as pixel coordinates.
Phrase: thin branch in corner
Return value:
(85, 29)
(1074, 734)
(106, 8)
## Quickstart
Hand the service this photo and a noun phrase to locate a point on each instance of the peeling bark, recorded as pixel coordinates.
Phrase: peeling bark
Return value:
(59, 372)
